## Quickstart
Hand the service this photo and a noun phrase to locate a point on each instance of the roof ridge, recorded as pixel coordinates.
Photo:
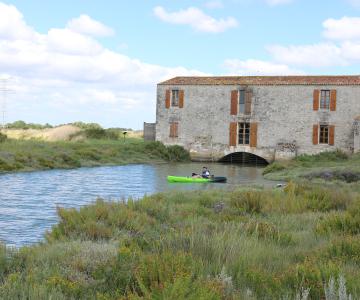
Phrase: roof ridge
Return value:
(265, 80)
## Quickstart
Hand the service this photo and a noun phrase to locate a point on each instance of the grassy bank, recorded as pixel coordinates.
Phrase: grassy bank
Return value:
(326, 166)
(27, 155)
(243, 244)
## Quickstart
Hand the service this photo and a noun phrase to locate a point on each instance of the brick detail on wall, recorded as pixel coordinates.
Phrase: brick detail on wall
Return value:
(167, 99)
(315, 135)
(248, 100)
(233, 134)
(253, 134)
(333, 100)
(316, 99)
(234, 102)
(331, 135)
(181, 98)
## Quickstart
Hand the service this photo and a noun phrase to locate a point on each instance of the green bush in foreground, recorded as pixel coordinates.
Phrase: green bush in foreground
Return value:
(242, 244)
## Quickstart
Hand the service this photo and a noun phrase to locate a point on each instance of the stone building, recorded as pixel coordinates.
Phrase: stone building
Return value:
(269, 117)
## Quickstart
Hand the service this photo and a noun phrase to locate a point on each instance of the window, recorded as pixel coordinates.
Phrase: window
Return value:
(324, 134)
(325, 99)
(174, 129)
(244, 133)
(242, 101)
(175, 98)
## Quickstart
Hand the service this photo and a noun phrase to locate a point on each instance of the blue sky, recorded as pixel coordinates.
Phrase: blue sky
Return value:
(99, 61)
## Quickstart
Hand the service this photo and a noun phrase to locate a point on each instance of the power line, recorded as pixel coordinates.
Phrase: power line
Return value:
(5, 91)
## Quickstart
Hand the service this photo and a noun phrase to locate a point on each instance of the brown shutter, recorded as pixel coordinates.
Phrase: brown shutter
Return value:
(315, 134)
(331, 135)
(171, 130)
(176, 128)
(167, 99)
(233, 133)
(253, 134)
(316, 99)
(248, 100)
(181, 98)
(234, 102)
(333, 100)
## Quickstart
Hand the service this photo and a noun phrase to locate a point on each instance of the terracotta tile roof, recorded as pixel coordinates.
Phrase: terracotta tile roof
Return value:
(265, 80)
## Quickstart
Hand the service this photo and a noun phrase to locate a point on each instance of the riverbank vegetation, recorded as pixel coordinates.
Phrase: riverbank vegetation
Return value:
(27, 155)
(326, 166)
(301, 242)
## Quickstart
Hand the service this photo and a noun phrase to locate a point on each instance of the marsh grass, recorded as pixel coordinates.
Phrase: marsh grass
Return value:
(27, 155)
(242, 244)
(328, 166)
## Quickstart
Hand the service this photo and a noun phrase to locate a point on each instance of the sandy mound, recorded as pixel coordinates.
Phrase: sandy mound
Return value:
(61, 133)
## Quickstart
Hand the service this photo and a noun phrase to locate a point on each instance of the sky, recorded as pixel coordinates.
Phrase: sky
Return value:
(100, 61)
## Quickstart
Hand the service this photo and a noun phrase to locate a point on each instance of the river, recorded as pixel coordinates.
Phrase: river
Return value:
(28, 201)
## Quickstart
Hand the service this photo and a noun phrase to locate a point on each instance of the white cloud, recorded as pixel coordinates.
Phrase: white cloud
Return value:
(345, 28)
(355, 3)
(86, 25)
(258, 67)
(68, 42)
(316, 55)
(341, 49)
(278, 2)
(66, 75)
(195, 18)
(214, 4)
(12, 24)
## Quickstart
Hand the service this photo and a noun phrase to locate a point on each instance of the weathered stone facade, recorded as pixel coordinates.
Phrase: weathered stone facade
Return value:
(281, 107)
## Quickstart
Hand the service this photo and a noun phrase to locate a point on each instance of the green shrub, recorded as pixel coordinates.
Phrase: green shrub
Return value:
(22, 125)
(274, 167)
(336, 155)
(169, 153)
(84, 125)
(177, 153)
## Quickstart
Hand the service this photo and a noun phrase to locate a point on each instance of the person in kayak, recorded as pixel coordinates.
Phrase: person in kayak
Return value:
(205, 172)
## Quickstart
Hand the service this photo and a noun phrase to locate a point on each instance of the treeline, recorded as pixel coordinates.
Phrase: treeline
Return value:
(83, 125)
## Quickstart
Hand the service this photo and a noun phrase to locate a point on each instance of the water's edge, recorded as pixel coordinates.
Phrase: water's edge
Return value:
(28, 200)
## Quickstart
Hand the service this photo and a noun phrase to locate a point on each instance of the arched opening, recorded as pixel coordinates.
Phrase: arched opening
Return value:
(244, 158)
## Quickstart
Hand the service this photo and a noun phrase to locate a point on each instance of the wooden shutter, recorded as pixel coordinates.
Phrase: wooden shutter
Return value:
(333, 100)
(167, 99)
(331, 135)
(233, 134)
(234, 102)
(248, 100)
(253, 134)
(315, 134)
(181, 98)
(171, 130)
(174, 126)
(316, 99)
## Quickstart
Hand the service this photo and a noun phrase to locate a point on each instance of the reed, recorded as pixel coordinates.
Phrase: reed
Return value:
(241, 244)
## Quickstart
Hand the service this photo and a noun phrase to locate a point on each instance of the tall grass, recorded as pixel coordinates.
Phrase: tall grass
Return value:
(326, 166)
(242, 244)
(33, 155)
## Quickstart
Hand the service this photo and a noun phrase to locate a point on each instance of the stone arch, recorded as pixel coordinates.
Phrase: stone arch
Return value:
(244, 158)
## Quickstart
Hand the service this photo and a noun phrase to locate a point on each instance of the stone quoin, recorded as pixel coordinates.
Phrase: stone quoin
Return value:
(272, 117)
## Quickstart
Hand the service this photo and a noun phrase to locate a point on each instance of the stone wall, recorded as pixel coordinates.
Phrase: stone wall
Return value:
(284, 114)
(149, 131)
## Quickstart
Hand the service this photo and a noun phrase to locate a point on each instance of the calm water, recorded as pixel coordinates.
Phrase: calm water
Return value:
(28, 201)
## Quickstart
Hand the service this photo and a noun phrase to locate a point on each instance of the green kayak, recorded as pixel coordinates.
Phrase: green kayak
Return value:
(198, 180)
